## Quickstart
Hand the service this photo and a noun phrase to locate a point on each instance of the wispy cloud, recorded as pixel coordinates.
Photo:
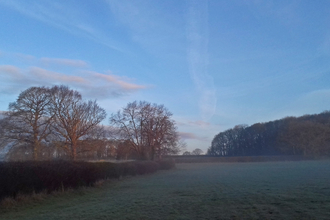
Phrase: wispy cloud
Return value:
(25, 57)
(117, 81)
(70, 18)
(44, 75)
(132, 14)
(47, 61)
(284, 12)
(188, 135)
(13, 71)
(91, 84)
(63, 62)
(197, 35)
(296, 75)
(13, 79)
(154, 27)
(198, 123)
(198, 133)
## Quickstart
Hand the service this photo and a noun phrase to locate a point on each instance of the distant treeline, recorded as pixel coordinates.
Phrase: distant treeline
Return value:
(306, 135)
(239, 159)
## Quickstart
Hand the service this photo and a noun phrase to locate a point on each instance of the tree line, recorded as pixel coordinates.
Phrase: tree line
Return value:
(305, 135)
(195, 152)
(47, 123)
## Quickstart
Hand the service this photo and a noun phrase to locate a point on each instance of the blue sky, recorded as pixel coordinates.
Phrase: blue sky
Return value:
(214, 64)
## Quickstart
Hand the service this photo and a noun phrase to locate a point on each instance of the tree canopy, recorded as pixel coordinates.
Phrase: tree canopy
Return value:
(45, 123)
(306, 135)
(148, 129)
(73, 118)
(42, 117)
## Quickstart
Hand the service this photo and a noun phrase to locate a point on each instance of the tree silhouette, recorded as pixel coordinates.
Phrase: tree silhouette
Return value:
(186, 153)
(148, 128)
(73, 118)
(197, 151)
(28, 120)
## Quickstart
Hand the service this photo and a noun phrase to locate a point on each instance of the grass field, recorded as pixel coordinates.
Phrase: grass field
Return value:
(266, 190)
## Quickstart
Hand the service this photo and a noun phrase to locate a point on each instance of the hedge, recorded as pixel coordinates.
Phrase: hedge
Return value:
(29, 177)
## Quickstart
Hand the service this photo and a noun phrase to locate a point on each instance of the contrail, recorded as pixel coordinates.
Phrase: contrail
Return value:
(197, 35)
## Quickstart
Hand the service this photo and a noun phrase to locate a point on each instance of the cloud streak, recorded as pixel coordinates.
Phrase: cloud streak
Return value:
(151, 25)
(118, 81)
(199, 123)
(46, 61)
(92, 84)
(187, 135)
(197, 56)
(63, 16)
(192, 136)
(13, 71)
(63, 62)
(46, 75)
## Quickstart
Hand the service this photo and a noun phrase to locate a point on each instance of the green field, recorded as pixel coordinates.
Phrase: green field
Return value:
(267, 190)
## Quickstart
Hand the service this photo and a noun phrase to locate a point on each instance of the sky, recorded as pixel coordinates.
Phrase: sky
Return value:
(214, 64)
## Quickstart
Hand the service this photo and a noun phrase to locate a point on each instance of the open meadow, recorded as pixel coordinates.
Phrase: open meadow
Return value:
(264, 190)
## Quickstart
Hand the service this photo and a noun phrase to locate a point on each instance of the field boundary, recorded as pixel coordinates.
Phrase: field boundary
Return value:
(215, 159)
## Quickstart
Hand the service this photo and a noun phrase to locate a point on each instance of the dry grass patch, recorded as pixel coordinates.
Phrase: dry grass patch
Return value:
(23, 199)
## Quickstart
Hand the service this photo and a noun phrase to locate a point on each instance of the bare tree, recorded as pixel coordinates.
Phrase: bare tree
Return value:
(197, 151)
(124, 151)
(160, 131)
(148, 128)
(27, 123)
(130, 126)
(73, 118)
(186, 153)
(305, 138)
(96, 143)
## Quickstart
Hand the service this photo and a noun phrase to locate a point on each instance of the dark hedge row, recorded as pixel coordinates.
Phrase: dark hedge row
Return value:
(28, 177)
(215, 159)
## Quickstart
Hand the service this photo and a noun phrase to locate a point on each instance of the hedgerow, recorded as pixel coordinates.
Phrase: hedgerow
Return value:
(36, 176)
(218, 159)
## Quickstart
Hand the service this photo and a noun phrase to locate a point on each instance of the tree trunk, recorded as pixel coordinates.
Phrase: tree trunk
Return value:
(143, 156)
(36, 147)
(74, 150)
(152, 153)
